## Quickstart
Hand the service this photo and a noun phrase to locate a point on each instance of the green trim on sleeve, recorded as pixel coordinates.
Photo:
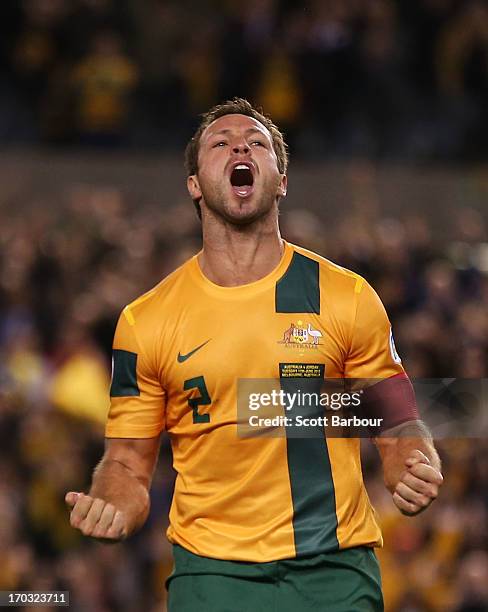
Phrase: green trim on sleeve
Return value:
(124, 375)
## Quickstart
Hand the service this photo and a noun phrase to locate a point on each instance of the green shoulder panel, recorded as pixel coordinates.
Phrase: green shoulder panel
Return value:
(299, 290)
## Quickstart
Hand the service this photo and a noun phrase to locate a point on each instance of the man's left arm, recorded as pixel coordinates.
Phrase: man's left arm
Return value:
(411, 466)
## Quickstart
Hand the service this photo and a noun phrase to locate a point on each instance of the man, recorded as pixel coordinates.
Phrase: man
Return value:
(258, 523)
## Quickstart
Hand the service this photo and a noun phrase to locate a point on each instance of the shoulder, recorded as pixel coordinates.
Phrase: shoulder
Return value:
(152, 307)
(334, 278)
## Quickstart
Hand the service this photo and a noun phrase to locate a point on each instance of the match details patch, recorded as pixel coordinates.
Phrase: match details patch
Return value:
(302, 370)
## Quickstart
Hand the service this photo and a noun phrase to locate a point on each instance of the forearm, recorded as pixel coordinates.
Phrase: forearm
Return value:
(117, 484)
(397, 444)
(118, 501)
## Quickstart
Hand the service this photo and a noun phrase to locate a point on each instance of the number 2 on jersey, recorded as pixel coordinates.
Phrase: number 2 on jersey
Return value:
(194, 402)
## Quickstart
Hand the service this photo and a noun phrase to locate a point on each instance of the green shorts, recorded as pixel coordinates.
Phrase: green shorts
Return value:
(343, 581)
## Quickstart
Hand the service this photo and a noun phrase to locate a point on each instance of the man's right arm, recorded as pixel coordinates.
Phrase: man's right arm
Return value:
(117, 504)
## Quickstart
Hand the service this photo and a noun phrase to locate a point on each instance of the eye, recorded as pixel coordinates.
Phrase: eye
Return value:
(221, 143)
(258, 143)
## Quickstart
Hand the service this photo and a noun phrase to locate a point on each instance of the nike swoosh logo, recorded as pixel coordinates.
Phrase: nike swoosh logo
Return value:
(181, 358)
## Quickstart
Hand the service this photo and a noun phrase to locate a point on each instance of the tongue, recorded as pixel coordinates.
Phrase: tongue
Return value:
(243, 191)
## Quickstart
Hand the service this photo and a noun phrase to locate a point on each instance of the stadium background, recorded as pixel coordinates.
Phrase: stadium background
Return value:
(385, 106)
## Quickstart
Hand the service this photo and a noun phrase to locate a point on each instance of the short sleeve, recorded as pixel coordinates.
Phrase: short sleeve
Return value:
(137, 400)
(372, 352)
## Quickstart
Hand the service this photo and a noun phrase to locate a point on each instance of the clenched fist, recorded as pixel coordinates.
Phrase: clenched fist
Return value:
(95, 517)
(418, 485)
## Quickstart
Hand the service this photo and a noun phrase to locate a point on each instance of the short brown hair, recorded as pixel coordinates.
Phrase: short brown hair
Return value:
(236, 106)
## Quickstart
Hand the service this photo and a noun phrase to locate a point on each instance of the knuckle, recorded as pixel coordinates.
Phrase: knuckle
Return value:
(419, 499)
(88, 501)
(121, 533)
(432, 489)
(423, 487)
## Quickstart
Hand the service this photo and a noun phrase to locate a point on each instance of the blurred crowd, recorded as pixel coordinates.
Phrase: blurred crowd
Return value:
(385, 79)
(66, 271)
(382, 78)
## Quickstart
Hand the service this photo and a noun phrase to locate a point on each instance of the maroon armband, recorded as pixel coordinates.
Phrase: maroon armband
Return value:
(392, 400)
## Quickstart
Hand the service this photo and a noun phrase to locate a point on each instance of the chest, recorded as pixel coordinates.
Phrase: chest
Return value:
(209, 348)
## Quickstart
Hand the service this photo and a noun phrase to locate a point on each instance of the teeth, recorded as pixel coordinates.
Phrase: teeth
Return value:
(242, 167)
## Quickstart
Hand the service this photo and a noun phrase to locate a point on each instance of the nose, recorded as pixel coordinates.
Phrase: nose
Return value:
(240, 148)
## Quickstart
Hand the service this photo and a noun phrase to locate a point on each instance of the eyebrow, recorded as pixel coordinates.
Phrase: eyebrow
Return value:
(248, 131)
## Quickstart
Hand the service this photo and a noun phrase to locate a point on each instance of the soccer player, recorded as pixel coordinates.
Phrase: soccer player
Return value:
(264, 522)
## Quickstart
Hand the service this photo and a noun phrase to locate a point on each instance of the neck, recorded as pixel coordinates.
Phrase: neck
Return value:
(237, 255)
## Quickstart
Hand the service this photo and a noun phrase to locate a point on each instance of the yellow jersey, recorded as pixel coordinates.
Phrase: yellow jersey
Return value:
(179, 351)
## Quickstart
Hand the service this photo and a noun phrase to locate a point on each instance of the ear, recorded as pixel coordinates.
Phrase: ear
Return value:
(282, 186)
(193, 187)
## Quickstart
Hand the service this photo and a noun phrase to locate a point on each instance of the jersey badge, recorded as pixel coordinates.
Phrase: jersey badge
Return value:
(394, 354)
(300, 335)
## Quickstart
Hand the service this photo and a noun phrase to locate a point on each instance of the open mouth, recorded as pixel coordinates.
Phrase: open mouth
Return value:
(242, 180)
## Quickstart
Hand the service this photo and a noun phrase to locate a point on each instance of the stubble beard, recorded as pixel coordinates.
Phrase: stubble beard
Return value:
(218, 203)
